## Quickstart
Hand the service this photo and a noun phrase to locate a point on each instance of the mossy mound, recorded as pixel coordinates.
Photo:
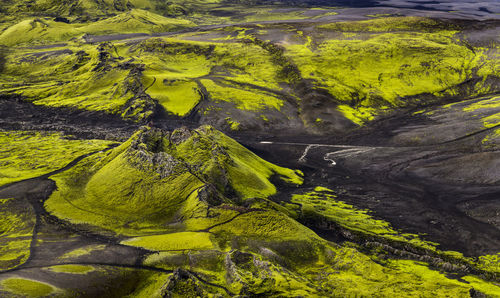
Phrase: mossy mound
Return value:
(150, 182)
(28, 288)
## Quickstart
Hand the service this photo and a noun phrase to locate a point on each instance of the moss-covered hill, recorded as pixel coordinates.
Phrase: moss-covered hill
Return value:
(200, 209)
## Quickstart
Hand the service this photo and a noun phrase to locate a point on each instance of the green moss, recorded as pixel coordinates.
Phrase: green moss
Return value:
(251, 100)
(376, 70)
(484, 105)
(28, 287)
(174, 241)
(72, 269)
(25, 154)
(490, 289)
(137, 187)
(152, 286)
(83, 251)
(87, 77)
(490, 262)
(266, 225)
(178, 97)
(323, 204)
(139, 203)
(486, 109)
(248, 173)
(232, 124)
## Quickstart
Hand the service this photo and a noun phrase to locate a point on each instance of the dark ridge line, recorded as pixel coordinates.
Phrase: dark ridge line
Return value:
(471, 134)
(282, 95)
(195, 274)
(207, 230)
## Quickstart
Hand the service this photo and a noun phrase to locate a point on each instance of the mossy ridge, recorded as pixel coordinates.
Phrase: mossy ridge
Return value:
(360, 85)
(72, 269)
(89, 77)
(390, 23)
(164, 71)
(28, 154)
(489, 112)
(321, 208)
(277, 267)
(159, 174)
(323, 203)
(173, 63)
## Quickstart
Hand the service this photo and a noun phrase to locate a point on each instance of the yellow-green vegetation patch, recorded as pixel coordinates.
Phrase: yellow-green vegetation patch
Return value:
(266, 225)
(84, 76)
(17, 221)
(234, 125)
(247, 100)
(25, 154)
(488, 288)
(28, 287)
(484, 106)
(376, 70)
(250, 174)
(198, 216)
(83, 251)
(173, 65)
(152, 286)
(142, 185)
(490, 262)
(120, 196)
(121, 78)
(72, 269)
(177, 97)
(425, 279)
(359, 115)
(488, 110)
(173, 241)
(324, 204)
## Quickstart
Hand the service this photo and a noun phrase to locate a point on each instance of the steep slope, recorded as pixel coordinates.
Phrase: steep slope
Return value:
(158, 175)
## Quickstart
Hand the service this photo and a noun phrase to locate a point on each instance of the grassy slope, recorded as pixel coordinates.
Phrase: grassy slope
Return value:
(152, 187)
(26, 155)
